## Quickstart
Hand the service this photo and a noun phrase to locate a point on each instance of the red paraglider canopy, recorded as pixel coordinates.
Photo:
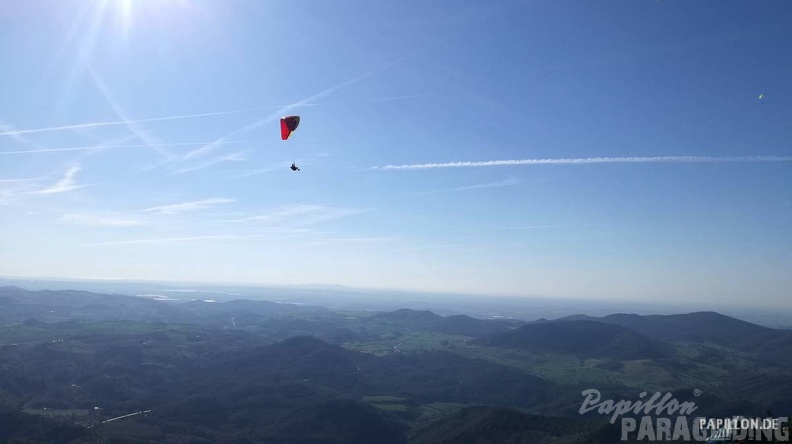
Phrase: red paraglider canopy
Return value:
(289, 124)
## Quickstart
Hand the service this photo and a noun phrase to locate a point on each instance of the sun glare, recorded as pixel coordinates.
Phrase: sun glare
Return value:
(132, 14)
(126, 7)
(126, 16)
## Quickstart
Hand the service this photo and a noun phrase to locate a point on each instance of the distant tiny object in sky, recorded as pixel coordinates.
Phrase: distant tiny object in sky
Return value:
(761, 97)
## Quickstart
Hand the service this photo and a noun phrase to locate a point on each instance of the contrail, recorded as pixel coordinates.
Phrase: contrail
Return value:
(114, 123)
(272, 117)
(16, 132)
(27, 179)
(21, 139)
(407, 96)
(4, 131)
(100, 147)
(532, 227)
(498, 184)
(588, 160)
(135, 129)
(306, 101)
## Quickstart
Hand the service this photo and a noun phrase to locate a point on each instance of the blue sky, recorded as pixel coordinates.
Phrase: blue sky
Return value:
(603, 150)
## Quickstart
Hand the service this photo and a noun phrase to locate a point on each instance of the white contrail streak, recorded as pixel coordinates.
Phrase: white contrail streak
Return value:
(105, 147)
(532, 227)
(112, 123)
(306, 101)
(134, 128)
(589, 160)
(498, 184)
(27, 179)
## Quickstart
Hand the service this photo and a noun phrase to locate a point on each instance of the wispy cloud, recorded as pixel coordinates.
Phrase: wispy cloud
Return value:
(188, 206)
(169, 240)
(6, 127)
(302, 215)
(27, 179)
(109, 221)
(430, 247)
(14, 189)
(233, 157)
(498, 184)
(65, 184)
(282, 231)
(353, 241)
(267, 169)
(153, 217)
(586, 161)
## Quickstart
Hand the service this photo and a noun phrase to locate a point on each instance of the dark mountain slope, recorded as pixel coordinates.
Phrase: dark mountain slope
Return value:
(304, 369)
(17, 305)
(18, 427)
(466, 326)
(244, 309)
(338, 421)
(479, 425)
(695, 327)
(446, 377)
(411, 321)
(409, 316)
(581, 338)
(769, 344)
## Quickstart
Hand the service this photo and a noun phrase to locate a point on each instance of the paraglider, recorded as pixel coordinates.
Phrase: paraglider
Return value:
(288, 125)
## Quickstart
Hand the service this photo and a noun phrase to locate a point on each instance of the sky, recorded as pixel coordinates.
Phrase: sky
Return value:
(602, 149)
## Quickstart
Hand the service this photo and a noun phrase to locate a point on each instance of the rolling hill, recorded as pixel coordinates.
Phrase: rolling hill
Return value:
(773, 345)
(581, 338)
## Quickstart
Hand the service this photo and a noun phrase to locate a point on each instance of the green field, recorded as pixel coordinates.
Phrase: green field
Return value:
(413, 343)
(77, 413)
(389, 403)
(384, 399)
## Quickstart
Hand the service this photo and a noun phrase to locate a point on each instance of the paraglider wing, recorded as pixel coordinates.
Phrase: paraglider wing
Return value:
(288, 125)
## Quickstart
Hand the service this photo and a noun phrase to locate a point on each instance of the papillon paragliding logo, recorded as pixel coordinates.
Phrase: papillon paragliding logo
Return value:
(741, 429)
(654, 412)
(658, 404)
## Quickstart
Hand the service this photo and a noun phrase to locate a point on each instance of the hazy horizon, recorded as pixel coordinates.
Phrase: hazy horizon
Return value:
(336, 297)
